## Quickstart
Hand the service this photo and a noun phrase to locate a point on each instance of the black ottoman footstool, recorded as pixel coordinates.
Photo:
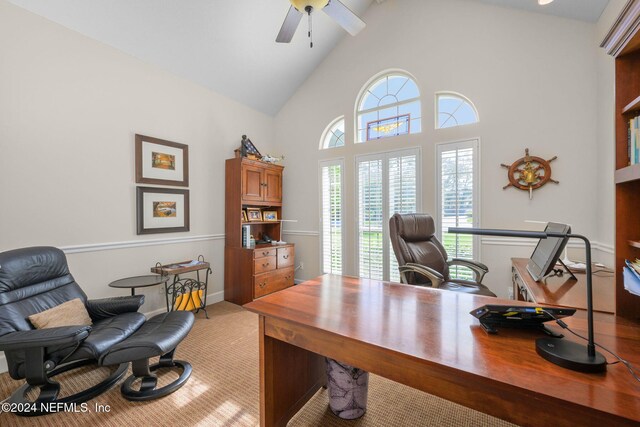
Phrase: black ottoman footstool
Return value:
(159, 336)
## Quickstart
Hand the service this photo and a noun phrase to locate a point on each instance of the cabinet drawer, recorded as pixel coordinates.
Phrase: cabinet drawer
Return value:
(264, 264)
(267, 283)
(266, 252)
(285, 257)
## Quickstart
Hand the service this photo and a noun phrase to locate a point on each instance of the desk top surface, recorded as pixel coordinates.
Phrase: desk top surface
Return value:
(566, 292)
(434, 328)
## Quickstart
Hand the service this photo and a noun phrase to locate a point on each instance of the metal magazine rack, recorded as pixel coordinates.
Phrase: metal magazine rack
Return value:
(185, 293)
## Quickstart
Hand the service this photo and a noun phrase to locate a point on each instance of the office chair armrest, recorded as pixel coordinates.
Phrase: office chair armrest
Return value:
(108, 307)
(478, 268)
(436, 278)
(34, 338)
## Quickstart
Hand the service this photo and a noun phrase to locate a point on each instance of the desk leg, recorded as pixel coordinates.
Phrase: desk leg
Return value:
(289, 377)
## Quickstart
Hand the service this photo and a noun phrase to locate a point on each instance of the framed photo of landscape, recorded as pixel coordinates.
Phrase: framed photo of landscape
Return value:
(161, 162)
(162, 210)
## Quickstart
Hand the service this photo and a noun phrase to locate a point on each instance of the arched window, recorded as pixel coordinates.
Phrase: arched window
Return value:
(333, 135)
(389, 106)
(454, 109)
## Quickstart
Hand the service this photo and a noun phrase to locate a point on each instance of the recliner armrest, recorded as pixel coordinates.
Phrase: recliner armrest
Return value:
(469, 261)
(478, 268)
(34, 338)
(108, 307)
(435, 277)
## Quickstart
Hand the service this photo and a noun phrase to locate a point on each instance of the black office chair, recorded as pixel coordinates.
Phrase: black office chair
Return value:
(423, 260)
(36, 279)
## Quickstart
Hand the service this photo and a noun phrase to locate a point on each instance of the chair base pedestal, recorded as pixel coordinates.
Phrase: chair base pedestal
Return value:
(148, 390)
(47, 401)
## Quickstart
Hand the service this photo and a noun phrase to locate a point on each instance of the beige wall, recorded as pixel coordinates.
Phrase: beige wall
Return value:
(69, 109)
(534, 80)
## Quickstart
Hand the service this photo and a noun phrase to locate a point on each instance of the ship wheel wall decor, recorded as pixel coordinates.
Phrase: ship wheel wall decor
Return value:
(529, 173)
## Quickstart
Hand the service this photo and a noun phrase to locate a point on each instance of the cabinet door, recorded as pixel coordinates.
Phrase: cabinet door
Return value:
(273, 189)
(252, 183)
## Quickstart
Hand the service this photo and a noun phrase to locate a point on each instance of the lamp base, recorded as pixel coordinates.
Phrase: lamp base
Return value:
(570, 355)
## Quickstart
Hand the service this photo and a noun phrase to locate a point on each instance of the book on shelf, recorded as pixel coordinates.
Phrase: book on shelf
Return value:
(633, 140)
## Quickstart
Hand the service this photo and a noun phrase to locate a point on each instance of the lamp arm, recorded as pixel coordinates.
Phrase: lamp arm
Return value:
(591, 347)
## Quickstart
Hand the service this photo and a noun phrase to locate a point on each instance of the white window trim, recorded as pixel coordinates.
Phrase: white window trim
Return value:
(453, 145)
(386, 242)
(328, 129)
(322, 163)
(458, 94)
(363, 91)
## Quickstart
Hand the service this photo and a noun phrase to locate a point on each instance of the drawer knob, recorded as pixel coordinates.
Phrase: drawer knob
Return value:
(288, 277)
(263, 284)
(265, 265)
(285, 256)
(265, 253)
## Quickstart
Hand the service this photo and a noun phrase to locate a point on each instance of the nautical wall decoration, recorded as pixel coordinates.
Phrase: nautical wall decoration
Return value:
(529, 173)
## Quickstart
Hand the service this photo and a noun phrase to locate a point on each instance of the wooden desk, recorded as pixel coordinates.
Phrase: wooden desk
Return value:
(563, 291)
(426, 338)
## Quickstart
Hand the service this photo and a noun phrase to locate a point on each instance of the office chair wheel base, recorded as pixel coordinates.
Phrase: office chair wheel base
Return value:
(47, 402)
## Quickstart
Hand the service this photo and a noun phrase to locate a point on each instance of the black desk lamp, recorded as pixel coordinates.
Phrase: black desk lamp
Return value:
(567, 354)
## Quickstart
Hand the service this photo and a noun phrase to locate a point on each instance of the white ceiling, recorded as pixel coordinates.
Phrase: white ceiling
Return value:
(583, 10)
(229, 45)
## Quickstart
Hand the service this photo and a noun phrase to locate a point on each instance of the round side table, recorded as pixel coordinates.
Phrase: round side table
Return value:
(139, 282)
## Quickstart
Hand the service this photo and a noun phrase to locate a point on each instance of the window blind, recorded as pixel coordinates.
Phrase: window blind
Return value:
(457, 201)
(331, 217)
(387, 183)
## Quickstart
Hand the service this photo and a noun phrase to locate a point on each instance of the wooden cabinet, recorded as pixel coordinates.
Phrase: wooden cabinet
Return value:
(261, 182)
(250, 273)
(623, 42)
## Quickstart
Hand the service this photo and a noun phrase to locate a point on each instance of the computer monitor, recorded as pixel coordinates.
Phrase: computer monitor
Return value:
(547, 252)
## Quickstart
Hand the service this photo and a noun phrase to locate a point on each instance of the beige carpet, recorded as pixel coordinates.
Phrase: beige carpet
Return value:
(223, 390)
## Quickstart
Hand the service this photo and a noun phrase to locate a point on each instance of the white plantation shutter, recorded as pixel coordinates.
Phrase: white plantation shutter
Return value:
(403, 196)
(387, 183)
(458, 200)
(370, 219)
(331, 215)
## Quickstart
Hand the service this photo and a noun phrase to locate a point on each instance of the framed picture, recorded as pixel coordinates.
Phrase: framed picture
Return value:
(162, 210)
(161, 162)
(244, 216)
(254, 214)
(270, 215)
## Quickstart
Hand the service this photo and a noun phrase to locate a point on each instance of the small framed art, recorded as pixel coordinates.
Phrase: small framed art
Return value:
(244, 216)
(270, 215)
(161, 162)
(162, 210)
(254, 214)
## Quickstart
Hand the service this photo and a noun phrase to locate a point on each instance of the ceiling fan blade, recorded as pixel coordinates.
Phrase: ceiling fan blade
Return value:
(289, 26)
(343, 16)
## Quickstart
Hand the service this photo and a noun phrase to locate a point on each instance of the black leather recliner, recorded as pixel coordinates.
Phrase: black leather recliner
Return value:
(36, 279)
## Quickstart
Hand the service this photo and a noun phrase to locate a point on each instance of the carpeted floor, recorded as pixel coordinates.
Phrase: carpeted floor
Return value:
(224, 391)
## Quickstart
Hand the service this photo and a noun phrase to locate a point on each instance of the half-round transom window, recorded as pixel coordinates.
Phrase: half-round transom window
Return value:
(333, 135)
(454, 109)
(390, 106)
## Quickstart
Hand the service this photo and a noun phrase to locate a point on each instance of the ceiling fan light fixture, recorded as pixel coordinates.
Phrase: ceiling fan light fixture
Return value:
(544, 2)
(301, 5)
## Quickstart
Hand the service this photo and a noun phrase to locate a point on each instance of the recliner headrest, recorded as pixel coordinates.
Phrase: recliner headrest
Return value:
(415, 227)
(27, 266)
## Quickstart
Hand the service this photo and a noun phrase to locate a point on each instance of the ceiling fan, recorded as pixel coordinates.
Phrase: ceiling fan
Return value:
(334, 8)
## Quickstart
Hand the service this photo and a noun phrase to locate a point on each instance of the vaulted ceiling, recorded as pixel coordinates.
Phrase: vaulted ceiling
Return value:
(229, 45)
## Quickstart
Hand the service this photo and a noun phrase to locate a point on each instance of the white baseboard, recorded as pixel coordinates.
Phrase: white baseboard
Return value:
(211, 299)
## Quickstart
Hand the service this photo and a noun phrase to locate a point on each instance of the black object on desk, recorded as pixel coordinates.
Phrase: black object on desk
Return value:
(139, 282)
